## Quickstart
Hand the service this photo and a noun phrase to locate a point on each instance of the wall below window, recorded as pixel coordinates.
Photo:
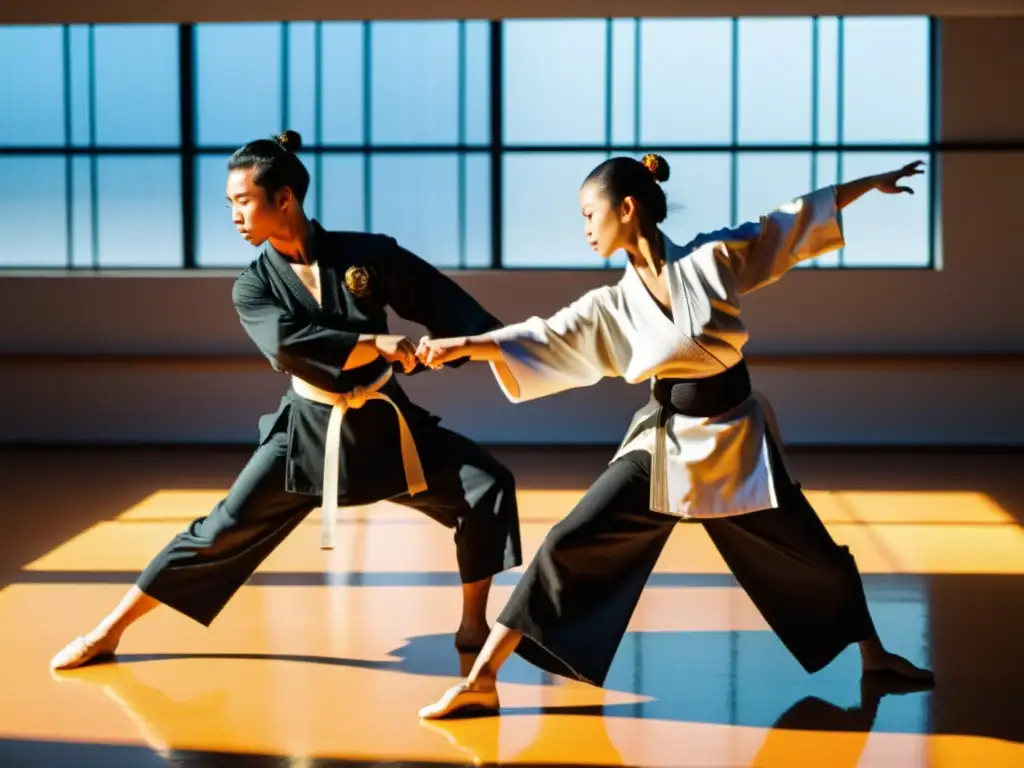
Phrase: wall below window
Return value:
(928, 392)
(898, 403)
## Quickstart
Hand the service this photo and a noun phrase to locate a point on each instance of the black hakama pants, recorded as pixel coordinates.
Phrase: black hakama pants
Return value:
(203, 566)
(577, 597)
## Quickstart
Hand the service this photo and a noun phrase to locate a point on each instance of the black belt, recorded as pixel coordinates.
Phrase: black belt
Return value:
(707, 397)
(698, 398)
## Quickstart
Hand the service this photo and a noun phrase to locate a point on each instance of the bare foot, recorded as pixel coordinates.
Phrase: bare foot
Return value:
(890, 663)
(471, 637)
(85, 649)
(465, 699)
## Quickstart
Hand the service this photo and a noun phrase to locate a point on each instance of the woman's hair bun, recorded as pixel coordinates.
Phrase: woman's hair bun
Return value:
(657, 165)
(290, 140)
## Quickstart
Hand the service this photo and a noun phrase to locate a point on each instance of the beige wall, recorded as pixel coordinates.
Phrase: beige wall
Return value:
(973, 305)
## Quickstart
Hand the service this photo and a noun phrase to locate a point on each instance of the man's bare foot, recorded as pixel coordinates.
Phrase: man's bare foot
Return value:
(471, 637)
(84, 650)
(883, 662)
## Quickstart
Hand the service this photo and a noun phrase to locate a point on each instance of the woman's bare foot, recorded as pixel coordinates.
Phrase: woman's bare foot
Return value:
(465, 699)
(880, 661)
(85, 649)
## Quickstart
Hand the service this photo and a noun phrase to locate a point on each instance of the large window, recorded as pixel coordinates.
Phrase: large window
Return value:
(466, 140)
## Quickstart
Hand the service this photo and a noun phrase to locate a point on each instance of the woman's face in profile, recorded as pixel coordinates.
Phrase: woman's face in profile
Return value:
(607, 227)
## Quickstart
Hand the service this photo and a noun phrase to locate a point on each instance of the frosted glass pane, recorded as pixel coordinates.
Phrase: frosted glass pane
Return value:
(885, 98)
(32, 86)
(775, 77)
(137, 86)
(551, 97)
(415, 199)
(885, 230)
(139, 230)
(33, 212)
(415, 82)
(542, 225)
(226, 115)
(686, 81)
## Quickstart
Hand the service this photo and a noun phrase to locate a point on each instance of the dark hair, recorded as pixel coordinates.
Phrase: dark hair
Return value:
(276, 164)
(623, 177)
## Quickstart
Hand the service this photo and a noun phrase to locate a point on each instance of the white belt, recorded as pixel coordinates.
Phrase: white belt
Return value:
(340, 403)
(659, 469)
(658, 500)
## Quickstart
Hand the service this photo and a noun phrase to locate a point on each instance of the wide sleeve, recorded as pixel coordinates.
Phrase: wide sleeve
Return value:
(312, 352)
(808, 227)
(576, 347)
(419, 292)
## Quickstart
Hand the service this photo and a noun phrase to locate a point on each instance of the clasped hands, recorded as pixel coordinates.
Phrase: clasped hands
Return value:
(433, 353)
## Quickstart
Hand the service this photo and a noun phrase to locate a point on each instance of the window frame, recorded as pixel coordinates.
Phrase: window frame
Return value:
(495, 148)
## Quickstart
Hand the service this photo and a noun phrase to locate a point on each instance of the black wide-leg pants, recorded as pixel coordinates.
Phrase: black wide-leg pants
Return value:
(576, 598)
(202, 567)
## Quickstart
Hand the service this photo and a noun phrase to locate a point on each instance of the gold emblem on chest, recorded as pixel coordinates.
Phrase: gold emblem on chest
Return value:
(357, 280)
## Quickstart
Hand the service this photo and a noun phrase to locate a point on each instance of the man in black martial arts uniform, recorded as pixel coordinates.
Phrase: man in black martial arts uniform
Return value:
(345, 433)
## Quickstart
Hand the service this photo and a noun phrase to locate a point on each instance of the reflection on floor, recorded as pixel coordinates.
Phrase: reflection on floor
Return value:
(324, 658)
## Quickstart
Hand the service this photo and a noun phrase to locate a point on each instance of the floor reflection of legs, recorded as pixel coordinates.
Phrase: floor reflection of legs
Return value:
(585, 737)
(151, 710)
(479, 740)
(783, 748)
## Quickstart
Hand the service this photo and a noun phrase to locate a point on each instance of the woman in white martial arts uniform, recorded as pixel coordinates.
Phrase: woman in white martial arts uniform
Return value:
(701, 450)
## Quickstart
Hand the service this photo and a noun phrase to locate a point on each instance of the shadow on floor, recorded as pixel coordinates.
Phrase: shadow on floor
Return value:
(727, 678)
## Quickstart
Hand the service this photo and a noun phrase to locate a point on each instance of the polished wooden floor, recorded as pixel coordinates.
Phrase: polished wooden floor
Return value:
(324, 658)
